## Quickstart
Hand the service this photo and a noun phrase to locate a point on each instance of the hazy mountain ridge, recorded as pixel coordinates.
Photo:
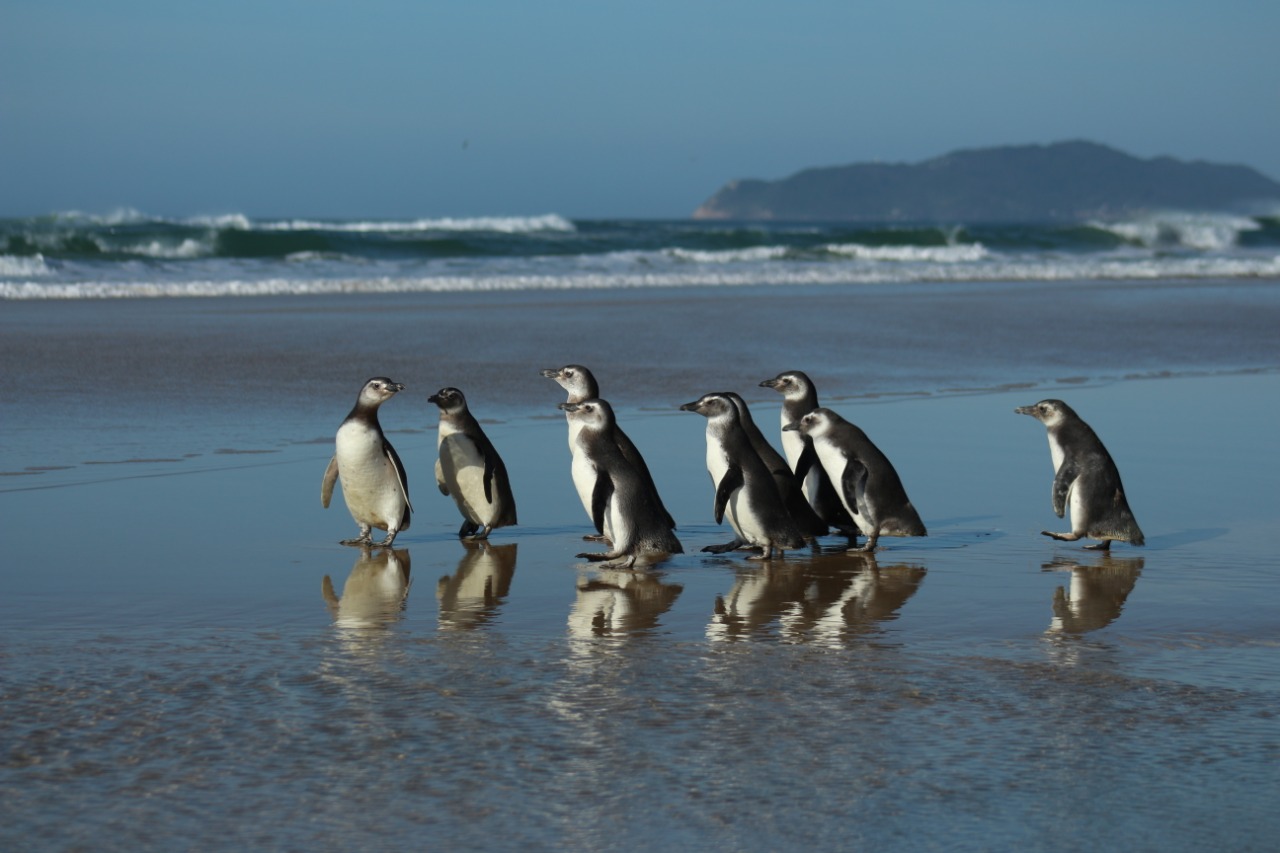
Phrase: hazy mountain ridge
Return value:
(1064, 181)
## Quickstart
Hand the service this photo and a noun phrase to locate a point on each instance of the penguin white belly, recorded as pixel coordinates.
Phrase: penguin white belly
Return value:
(462, 464)
(834, 461)
(370, 485)
(618, 525)
(575, 427)
(584, 481)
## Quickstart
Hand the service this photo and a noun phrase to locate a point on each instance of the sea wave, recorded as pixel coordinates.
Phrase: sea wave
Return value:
(12, 266)
(908, 254)
(813, 274)
(1201, 231)
(497, 224)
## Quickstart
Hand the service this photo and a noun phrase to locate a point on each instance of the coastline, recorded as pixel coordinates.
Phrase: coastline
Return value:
(174, 662)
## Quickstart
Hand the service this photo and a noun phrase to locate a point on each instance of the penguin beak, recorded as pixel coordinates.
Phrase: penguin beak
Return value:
(794, 426)
(568, 407)
(690, 407)
(434, 398)
(1026, 410)
(769, 383)
(396, 386)
(550, 372)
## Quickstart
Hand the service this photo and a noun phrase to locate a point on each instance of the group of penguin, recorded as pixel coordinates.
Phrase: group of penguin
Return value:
(832, 476)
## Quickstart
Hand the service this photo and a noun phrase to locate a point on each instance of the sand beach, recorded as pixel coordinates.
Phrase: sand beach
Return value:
(189, 659)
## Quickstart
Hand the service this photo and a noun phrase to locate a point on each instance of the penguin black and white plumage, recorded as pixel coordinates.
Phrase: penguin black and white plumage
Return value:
(580, 385)
(374, 484)
(799, 398)
(469, 469)
(868, 485)
(621, 501)
(802, 513)
(1085, 479)
(745, 489)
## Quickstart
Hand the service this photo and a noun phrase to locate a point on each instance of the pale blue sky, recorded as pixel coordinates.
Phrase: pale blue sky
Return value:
(591, 109)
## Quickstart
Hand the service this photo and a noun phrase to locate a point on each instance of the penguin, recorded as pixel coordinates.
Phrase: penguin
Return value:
(1085, 479)
(374, 484)
(470, 470)
(868, 485)
(811, 526)
(799, 398)
(581, 385)
(745, 490)
(621, 502)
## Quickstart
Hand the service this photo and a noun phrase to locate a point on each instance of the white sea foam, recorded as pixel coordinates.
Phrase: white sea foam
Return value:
(188, 248)
(907, 254)
(810, 274)
(500, 224)
(1202, 231)
(726, 256)
(15, 266)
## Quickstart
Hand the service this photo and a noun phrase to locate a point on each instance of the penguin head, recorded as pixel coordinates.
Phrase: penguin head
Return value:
(713, 405)
(1051, 413)
(791, 383)
(577, 380)
(592, 414)
(816, 423)
(378, 390)
(450, 401)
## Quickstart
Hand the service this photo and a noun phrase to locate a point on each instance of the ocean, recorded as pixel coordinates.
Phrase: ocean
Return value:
(127, 254)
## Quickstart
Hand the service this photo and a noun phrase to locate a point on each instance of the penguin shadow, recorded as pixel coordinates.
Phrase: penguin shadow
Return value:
(1096, 594)
(620, 602)
(374, 594)
(473, 594)
(831, 597)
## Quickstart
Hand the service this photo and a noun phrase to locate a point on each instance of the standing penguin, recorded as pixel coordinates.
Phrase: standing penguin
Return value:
(811, 526)
(745, 490)
(1085, 478)
(470, 470)
(621, 502)
(581, 385)
(867, 483)
(799, 398)
(374, 484)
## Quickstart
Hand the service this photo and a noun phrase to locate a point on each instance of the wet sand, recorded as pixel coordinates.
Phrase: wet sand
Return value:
(187, 651)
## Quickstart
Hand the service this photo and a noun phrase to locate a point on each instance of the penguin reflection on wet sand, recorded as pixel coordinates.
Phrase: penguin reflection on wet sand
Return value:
(864, 477)
(580, 384)
(1085, 480)
(374, 593)
(469, 469)
(745, 490)
(799, 398)
(621, 502)
(374, 484)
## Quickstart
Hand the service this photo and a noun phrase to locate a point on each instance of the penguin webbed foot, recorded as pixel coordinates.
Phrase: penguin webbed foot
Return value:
(594, 537)
(1104, 545)
(1061, 537)
(362, 541)
(868, 548)
(723, 549)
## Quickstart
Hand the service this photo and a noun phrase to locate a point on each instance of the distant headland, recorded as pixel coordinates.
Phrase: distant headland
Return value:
(1065, 181)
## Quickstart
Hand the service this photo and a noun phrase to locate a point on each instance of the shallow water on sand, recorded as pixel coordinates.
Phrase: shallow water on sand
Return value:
(209, 674)
(187, 657)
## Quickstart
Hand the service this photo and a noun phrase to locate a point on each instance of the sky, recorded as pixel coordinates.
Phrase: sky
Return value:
(601, 109)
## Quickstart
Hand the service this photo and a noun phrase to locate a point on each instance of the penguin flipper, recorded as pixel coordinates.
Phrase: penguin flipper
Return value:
(600, 498)
(490, 459)
(1062, 483)
(808, 458)
(326, 485)
(729, 483)
(401, 477)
